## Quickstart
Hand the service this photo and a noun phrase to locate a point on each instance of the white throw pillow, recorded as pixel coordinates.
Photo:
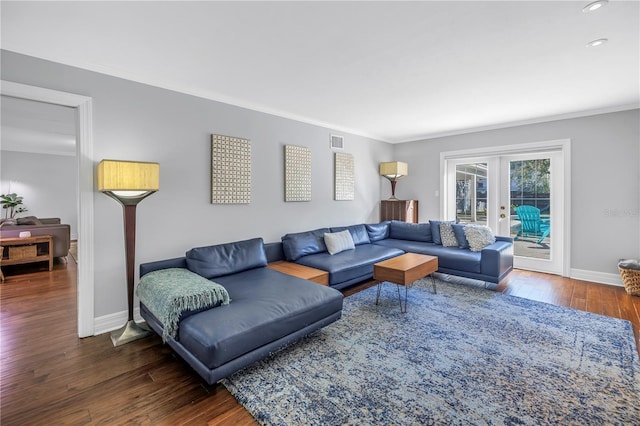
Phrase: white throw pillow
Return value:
(339, 241)
(479, 236)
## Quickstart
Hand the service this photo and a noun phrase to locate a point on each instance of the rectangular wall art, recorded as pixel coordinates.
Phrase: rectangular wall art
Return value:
(297, 173)
(344, 177)
(230, 170)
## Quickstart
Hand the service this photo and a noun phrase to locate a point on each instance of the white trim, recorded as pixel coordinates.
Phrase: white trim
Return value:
(84, 149)
(597, 277)
(552, 145)
(537, 120)
(204, 94)
(243, 103)
(114, 321)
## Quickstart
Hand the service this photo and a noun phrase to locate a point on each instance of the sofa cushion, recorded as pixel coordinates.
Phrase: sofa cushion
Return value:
(350, 264)
(224, 259)
(378, 231)
(447, 235)
(359, 233)
(170, 293)
(301, 244)
(410, 231)
(479, 237)
(458, 230)
(435, 230)
(259, 313)
(338, 241)
(453, 258)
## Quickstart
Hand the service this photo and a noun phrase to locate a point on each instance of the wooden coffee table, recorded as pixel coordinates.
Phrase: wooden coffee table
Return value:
(404, 270)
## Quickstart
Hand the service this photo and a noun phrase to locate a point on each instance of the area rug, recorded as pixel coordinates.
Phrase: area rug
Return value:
(463, 356)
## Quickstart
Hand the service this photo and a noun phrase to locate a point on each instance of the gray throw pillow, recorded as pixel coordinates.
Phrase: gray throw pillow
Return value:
(458, 229)
(479, 237)
(447, 235)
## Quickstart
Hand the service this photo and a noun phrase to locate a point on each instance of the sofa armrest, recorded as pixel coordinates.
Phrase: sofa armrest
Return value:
(497, 258)
(176, 262)
(506, 239)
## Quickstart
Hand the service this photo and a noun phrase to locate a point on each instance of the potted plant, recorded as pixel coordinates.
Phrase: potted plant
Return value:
(12, 205)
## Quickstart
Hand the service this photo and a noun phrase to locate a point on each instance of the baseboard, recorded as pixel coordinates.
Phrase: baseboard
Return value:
(107, 323)
(596, 277)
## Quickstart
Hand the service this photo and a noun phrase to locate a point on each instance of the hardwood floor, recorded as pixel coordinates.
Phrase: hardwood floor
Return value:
(49, 376)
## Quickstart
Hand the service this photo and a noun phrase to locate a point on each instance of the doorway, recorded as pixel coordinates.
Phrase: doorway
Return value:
(520, 192)
(84, 153)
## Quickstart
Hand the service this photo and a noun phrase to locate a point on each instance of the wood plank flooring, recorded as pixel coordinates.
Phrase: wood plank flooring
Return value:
(49, 376)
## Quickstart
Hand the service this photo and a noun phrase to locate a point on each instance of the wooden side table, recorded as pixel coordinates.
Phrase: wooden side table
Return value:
(17, 251)
(305, 272)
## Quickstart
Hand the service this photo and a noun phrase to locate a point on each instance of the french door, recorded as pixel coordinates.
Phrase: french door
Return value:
(516, 194)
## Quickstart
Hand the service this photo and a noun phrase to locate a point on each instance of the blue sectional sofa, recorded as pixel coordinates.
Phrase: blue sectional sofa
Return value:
(268, 309)
(377, 242)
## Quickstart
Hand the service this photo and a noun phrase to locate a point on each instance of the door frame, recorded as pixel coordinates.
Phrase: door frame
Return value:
(563, 146)
(84, 154)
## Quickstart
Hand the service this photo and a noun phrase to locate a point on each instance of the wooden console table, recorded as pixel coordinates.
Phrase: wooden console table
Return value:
(16, 251)
(301, 271)
(402, 210)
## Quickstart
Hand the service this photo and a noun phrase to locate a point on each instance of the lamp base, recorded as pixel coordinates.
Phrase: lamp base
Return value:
(129, 332)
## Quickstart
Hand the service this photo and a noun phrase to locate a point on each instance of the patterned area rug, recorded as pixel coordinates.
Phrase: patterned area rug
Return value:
(464, 356)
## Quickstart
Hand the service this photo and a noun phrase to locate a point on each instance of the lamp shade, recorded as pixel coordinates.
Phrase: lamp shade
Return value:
(394, 170)
(115, 175)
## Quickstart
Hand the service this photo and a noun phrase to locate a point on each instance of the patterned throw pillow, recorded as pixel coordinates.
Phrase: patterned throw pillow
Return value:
(435, 230)
(447, 235)
(479, 236)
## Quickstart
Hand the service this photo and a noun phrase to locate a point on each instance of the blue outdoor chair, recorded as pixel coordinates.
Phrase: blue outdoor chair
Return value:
(529, 216)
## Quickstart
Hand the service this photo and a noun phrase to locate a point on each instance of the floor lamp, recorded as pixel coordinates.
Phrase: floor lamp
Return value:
(129, 182)
(393, 171)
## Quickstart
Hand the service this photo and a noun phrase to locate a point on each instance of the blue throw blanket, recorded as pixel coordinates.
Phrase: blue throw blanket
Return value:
(167, 293)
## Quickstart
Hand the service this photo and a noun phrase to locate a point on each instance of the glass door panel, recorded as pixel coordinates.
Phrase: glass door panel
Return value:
(530, 207)
(471, 193)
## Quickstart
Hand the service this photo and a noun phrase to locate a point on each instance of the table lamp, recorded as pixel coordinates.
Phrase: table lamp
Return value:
(128, 182)
(393, 171)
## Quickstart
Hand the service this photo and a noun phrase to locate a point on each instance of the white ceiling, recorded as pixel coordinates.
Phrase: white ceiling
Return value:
(394, 71)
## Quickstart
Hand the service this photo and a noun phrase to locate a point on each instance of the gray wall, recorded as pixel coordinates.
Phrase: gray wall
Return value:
(48, 184)
(605, 178)
(134, 121)
(137, 122)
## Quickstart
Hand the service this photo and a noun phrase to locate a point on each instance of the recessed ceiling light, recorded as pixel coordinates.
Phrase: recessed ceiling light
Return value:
(594, 5)
(597, 42)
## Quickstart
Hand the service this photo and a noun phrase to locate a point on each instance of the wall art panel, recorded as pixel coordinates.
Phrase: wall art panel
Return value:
(344, 177)
(230, 170)
(297, 173)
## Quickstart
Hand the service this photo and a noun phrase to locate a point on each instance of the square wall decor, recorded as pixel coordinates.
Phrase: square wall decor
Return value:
(297, 173)
(230, 170)
(344, 177)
